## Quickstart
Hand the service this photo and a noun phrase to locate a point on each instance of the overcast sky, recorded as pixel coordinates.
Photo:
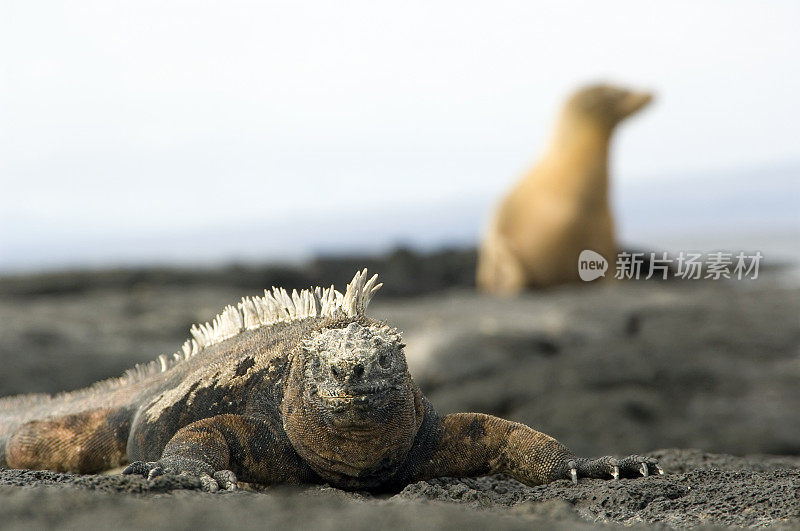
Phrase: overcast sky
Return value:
(136, 119)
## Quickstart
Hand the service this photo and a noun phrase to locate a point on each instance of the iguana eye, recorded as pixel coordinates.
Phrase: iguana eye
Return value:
(385, 360)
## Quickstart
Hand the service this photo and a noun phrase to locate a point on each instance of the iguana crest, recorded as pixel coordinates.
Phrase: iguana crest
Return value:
(277, 305)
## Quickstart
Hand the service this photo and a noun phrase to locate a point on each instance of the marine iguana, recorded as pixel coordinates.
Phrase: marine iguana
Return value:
(300, 388)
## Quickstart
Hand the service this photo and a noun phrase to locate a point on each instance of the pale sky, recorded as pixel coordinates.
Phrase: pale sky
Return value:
(140, 121)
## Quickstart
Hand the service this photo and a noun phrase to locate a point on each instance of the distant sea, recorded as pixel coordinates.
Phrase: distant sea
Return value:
(733, 210)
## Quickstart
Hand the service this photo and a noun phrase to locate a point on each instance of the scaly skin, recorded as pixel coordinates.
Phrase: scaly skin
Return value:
(311, 400)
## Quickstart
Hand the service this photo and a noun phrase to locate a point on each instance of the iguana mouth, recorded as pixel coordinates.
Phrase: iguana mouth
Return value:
(341, 401)
(354, 392)
(342, 397)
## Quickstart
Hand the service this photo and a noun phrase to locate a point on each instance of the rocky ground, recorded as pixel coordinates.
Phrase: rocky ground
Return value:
(701, 489)
(607, 369)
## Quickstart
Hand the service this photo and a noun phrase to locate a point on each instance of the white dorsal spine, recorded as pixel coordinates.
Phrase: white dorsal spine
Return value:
(274, 307)
(251, 313)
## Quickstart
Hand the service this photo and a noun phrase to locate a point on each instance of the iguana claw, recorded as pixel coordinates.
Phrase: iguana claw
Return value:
(603, 467)
(226, 479)
(150, 470)
(220, 480)
(209, 484)
(138, 468)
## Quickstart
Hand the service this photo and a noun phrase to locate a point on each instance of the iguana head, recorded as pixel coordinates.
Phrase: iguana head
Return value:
(351, 409)
(357, 375)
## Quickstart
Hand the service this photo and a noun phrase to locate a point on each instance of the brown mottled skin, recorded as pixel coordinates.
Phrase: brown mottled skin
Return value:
(307, 401)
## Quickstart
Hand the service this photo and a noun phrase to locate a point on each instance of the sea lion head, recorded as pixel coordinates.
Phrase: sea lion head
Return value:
(607, 104)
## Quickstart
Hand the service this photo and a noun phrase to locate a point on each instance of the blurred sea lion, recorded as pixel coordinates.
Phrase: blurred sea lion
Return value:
(560, 207)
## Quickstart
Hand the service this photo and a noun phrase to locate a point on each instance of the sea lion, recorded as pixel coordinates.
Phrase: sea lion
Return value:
(560, 207)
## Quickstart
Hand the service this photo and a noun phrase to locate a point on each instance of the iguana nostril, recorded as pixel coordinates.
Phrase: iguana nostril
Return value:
(335, 371)
(358, 371)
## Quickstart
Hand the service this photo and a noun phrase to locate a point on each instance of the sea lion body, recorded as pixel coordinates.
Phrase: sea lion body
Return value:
(561, 207)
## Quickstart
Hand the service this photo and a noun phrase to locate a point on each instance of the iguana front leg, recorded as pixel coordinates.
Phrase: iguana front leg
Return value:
(474, 444)
(223, 449)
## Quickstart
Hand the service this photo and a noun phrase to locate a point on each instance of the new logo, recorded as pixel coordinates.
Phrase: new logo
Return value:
(591, 265)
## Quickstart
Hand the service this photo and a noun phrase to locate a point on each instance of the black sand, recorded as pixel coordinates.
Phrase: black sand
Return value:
(606, 369)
